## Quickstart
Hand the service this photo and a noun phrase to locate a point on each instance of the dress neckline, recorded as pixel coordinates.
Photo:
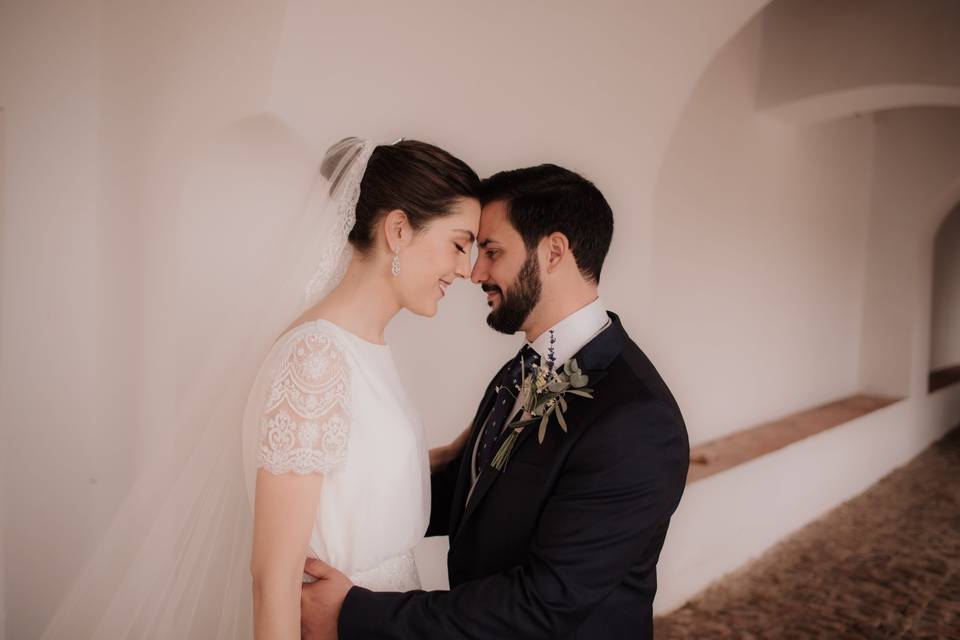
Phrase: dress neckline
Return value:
(376, 345)
(372, 346)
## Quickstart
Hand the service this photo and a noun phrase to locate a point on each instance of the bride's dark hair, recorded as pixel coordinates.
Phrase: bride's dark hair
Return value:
(419, 178)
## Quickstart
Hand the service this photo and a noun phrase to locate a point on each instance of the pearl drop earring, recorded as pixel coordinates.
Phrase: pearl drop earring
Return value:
(395, 269)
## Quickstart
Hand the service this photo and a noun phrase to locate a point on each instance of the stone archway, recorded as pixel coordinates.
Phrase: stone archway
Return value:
(945, 304)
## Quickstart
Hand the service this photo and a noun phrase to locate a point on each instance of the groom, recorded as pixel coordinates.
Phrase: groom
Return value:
(563, 541)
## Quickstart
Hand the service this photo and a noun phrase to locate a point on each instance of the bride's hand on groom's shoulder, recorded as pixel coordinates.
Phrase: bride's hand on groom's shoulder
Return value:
(441, 456)
(320, 601)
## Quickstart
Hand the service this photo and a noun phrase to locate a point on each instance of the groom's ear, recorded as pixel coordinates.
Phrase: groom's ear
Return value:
(558, 249)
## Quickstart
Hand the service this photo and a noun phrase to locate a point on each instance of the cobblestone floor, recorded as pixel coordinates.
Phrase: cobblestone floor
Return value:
(885, 564)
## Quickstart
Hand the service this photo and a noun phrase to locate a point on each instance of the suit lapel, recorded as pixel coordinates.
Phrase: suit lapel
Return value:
(594, 357)
(578, 409)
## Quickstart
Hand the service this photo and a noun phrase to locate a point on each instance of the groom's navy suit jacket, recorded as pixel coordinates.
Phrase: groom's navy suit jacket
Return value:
(564, 542)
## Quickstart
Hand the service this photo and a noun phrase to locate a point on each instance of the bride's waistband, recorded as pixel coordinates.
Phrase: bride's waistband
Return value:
(400, 564)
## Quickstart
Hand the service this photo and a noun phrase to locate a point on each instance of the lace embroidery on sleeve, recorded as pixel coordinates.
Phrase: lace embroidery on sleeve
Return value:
(305, 424)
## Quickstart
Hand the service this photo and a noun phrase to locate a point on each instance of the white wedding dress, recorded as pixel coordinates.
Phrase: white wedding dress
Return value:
(327, 401)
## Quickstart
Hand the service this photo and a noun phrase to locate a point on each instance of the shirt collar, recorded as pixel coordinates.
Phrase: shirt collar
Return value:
(572, 332)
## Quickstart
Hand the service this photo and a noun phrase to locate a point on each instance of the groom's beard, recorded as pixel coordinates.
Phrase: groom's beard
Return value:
(524, 296)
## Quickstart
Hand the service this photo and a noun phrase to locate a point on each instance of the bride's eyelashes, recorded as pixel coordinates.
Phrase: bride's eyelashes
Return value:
(459, 248)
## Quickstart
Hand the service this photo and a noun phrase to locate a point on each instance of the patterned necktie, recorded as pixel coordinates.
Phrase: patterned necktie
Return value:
(506, 398)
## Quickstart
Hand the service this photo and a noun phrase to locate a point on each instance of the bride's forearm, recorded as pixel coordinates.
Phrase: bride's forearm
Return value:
(276, 608)
(284, 515)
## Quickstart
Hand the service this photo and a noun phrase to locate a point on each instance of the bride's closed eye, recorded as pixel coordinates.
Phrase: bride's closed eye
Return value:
(459, 247)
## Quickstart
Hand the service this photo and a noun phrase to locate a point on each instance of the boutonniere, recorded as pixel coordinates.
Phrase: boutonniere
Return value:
(542, 392)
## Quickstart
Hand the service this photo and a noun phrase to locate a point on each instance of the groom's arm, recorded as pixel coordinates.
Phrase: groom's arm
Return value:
(621, 483)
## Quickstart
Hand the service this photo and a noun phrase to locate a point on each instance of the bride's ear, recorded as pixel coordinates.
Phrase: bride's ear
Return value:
(396, 229)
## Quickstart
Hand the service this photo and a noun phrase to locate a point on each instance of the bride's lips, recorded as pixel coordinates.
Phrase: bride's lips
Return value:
(443, 284)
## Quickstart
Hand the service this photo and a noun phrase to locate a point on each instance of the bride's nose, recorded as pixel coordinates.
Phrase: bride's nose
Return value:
(463, 267)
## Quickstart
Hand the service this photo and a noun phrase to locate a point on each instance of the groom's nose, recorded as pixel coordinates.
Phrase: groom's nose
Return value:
(479, 274)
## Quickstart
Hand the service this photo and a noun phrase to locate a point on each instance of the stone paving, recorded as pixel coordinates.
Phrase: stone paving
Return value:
(885, 564)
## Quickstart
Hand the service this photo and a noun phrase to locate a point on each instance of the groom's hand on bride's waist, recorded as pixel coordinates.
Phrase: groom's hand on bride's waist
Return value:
(320, 601)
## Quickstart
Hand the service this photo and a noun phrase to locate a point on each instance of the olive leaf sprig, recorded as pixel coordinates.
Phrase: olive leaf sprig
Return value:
(541, 395)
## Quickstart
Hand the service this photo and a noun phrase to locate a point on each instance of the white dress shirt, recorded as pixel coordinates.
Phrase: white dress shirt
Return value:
(571, 333)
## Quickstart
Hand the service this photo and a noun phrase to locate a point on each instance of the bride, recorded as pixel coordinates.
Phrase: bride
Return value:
(297, 436)
(342, 466)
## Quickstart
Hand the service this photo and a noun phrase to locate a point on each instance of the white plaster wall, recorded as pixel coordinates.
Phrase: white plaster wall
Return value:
(56, 446)
(102, 102)
(758, 260)
(817, 49)
(945, 338)
(4, 441)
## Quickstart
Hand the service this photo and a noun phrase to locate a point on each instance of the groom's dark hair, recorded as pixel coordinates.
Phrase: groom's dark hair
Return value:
(543, 199)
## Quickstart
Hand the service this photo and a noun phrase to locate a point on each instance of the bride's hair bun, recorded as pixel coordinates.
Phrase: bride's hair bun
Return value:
(417, 177)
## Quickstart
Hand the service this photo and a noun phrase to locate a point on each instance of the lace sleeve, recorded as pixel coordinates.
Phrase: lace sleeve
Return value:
(305, 424)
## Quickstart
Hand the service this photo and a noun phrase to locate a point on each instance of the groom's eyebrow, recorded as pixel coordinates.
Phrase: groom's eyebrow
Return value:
(484, 243)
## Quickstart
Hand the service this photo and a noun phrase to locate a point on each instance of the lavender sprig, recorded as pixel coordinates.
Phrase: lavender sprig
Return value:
(551, 353)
